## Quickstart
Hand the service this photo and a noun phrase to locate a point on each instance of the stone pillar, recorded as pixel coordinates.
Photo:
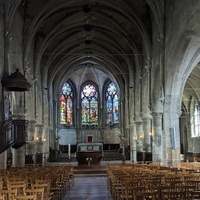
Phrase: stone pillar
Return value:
(147, 134)
(133, 144)
(38, 138)
(18, 157)
(3, 160)
(30, 147)
(171, 154)
(56, 122)
(133, 134)
(39, 143)
(45, 140)
(140, 136)
(157, 137)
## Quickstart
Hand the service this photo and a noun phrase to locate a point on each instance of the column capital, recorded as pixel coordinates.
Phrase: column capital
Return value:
(146, 118)
(39, 125)
(138, 122)
(156, 114)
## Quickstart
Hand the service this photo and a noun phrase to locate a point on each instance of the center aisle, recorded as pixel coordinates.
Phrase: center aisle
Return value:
(89, 188)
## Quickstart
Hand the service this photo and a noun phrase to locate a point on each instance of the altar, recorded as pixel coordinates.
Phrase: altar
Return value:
(89, 153)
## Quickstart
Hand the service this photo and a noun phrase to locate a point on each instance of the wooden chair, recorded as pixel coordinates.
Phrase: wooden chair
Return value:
(1, 185)
(195, 194)
(19, 187)
(9, 194)
(185, 188)
(174, 184)
(16, 182)
(173, 195)
(149, 183)
(128, 191)
(25, 197)
(159, 189)
(13, 179)
(46, 187)
(194, 182)
(39, 193)
(57, 187)
(144, 196)
(2, 197)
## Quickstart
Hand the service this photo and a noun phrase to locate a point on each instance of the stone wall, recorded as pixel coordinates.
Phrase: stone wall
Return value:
(1, 55)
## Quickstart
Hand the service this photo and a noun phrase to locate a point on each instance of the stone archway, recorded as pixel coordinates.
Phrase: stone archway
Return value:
(179, 68)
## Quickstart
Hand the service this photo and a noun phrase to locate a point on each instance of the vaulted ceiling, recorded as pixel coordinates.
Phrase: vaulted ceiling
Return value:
(111, 36)
(93, 40)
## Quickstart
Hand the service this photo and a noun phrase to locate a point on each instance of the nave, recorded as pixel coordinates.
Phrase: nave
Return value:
(111, 181)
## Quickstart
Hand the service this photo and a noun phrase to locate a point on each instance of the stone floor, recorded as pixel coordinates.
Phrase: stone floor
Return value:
(89, 188)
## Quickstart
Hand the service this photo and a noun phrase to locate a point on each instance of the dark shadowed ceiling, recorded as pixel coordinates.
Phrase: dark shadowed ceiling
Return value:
(112, 36)
(93, 40)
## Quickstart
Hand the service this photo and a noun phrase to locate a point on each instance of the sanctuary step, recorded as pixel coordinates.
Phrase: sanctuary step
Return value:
(92, 169)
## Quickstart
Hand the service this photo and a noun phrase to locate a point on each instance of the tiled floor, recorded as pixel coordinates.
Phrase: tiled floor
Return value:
(89, 188)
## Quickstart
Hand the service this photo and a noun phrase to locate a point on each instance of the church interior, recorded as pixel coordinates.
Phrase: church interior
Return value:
(94, 81)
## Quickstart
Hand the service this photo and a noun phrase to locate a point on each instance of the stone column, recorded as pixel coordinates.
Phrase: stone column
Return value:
(157, 137)
(39, 143)
(18, 157)
(140, 136)
(147, 134)
(30, 147)
(171, 153)
(45, 140)
(133, 144)
(3, 160)
(133, 134)
(55, 123)
(38, 138)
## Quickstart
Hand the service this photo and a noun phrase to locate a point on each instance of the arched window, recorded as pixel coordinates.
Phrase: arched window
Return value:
(196, 121)
(66, 105)
(112, 104)
(89, 104)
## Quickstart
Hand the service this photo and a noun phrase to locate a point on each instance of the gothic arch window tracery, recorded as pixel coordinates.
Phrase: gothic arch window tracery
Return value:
(66, 105)
(112, 105)
(196, 121)
(89, 105)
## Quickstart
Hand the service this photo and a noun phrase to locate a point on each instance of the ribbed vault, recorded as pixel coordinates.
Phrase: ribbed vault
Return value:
(113, 36)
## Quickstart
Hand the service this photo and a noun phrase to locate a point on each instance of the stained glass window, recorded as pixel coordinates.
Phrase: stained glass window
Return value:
(66, 105)
(112, 104)
(196, 121)
(89, 103)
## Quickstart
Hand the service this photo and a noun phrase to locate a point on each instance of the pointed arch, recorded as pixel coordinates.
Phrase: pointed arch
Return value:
(66, 104)
(112, 104)
(89, 104)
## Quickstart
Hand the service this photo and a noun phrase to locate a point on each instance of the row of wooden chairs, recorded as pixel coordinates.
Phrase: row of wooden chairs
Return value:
(55, 181)
(133, 181)
(36, 194)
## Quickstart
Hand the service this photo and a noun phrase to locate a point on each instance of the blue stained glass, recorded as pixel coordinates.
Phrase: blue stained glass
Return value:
(89, 102)
(67, 90)
(112, 104)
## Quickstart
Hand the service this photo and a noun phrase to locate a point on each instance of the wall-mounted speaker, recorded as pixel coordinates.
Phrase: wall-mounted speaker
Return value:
(173, 137)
